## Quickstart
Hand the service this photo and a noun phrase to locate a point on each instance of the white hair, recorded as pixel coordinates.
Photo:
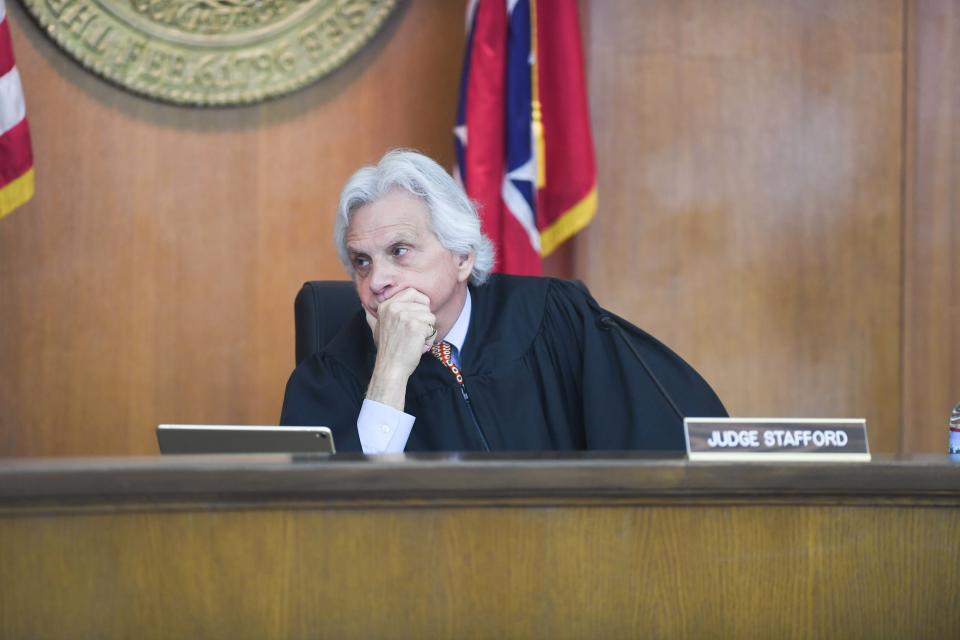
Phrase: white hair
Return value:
(452, 216)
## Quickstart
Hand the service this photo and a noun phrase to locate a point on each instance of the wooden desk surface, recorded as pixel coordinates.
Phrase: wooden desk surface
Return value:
(478, 546)
(601, 477)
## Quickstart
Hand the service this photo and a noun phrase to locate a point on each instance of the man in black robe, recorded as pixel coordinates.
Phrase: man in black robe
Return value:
(445, 356)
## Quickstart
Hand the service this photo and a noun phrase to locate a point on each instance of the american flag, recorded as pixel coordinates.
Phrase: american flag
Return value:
(16, 155)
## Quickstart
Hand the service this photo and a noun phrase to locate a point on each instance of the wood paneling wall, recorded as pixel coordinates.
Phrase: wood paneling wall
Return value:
(778, 189)
(931, 310)
(777, 203)
(749, 157)
(152, 277)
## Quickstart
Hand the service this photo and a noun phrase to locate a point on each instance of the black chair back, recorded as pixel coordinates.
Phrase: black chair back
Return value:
(320, 310)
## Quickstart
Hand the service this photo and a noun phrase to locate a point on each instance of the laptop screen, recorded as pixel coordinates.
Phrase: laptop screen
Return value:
(206, 438)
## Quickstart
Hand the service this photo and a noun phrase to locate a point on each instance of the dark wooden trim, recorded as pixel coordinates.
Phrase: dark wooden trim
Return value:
(454, 479)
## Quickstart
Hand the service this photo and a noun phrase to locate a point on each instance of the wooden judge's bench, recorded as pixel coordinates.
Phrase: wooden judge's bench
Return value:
(580, 546)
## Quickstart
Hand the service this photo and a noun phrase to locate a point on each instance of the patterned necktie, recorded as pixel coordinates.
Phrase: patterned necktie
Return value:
(443, 352)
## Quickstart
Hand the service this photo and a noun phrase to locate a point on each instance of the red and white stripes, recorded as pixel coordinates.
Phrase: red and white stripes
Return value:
(16, 155)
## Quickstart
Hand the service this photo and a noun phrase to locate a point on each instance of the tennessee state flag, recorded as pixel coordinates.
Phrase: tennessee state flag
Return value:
(16, 154)
(524, 149)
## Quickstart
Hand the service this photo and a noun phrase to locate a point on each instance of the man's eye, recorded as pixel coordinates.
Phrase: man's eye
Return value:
(360, 262)
(399, 251)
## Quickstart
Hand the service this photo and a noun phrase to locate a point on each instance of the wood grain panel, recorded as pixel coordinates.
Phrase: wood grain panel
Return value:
(931, 314)
(152, 277)
(558, 572)
(349, 480)
(749, 175)
(455, 545)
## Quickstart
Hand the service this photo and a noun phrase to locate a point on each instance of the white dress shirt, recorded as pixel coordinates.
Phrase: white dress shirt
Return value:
(384, 429)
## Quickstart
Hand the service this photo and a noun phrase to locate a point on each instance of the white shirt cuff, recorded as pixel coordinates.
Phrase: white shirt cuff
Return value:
(382, 428)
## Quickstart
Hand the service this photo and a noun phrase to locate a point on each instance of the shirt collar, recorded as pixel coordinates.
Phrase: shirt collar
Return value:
(458, 332)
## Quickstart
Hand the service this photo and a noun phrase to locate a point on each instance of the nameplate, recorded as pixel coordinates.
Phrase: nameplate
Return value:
(786, 439)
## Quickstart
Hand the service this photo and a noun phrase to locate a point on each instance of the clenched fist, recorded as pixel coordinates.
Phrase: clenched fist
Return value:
(403, 330)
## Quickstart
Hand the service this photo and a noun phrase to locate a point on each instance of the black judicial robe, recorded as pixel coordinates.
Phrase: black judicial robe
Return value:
(541, 372)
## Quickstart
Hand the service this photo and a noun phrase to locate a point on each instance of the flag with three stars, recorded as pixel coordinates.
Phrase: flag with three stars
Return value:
(523, 142)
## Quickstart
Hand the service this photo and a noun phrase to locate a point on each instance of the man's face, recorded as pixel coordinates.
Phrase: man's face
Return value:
(392, 248)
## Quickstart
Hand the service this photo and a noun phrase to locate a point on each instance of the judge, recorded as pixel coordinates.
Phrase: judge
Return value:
(443, 355)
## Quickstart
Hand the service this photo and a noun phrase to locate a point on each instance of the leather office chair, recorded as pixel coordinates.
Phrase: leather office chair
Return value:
(320, 310)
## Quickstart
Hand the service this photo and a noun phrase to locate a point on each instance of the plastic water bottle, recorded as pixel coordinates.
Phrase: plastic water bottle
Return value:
(955, 433)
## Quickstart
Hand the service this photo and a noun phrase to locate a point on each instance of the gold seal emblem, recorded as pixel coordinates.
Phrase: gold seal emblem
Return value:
(211, 52)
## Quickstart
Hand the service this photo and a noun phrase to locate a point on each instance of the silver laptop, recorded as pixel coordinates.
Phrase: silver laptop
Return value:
(207, 438)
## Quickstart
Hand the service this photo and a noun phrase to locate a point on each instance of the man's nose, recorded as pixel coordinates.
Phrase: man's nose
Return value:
(383, 279)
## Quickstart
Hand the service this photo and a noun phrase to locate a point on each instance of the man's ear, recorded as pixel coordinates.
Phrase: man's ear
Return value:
(465, 266)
